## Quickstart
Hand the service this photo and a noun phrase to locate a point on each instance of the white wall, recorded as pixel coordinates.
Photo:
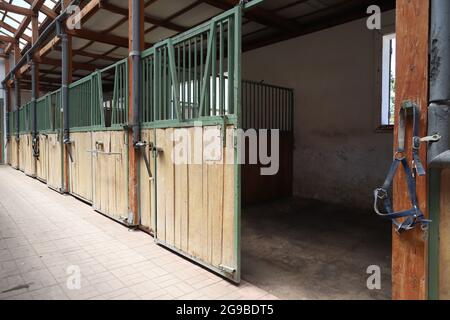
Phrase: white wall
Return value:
(339, 156)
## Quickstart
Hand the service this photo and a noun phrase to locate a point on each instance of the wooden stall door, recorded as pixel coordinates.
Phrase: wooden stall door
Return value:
(80, 165)
(196, 213)
(109, 171)
(54, 172)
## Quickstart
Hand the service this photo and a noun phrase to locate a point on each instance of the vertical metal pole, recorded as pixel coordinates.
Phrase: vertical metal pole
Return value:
(438, 117)
(135, 55)
(34, 106)
(64, 85)
(17, 103)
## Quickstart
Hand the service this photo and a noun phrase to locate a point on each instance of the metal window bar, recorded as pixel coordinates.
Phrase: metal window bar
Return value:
(266, 106)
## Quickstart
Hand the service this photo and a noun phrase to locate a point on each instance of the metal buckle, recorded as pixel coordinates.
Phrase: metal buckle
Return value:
(416, 143)
(399, 155)
(381, 194)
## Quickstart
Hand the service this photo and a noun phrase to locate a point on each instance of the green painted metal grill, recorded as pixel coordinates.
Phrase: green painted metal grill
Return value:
(95, 104)
(191, 76)
(267, 106)
(12, 122)
(25, 119)
(43, 114)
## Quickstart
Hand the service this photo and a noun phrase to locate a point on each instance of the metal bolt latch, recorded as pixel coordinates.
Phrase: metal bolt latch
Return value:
(434, 138)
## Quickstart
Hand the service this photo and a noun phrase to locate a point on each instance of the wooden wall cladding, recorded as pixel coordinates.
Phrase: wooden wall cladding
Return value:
(80, 165)
(14, 152)
(54, 174)
(27, 160)
(195, 201)
(444, 237)
(42, 162)
(146, 185)
(257, 188)
(110, 167)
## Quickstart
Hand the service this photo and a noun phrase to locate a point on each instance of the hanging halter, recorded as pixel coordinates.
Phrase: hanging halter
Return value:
(408, 219)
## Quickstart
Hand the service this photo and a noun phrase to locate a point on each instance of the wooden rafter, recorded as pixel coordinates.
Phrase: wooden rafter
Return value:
(11, 29)
(260, 15)
(15, 9)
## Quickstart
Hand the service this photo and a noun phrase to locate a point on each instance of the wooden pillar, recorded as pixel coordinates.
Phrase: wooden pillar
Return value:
(409, 250)
(133, 156)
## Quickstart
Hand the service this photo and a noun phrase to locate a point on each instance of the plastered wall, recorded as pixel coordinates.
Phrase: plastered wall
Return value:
(339, 155)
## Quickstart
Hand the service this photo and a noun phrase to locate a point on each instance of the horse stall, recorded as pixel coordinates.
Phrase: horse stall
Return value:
(13, 146)
(188, 167)
(98, 148)
(27, 162)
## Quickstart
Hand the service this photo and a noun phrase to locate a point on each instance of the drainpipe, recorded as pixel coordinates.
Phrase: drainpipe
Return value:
(7, 129)
(136, 62)
(438, 123)
(64, 85)
(34, 107)
(17, 102)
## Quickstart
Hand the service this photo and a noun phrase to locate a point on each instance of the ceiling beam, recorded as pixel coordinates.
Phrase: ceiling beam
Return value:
(338, 18)
(11, 29)
(149, 19)
(15, 9)
(260, 15)
(99, 37)
(76, 65)
(7, 39)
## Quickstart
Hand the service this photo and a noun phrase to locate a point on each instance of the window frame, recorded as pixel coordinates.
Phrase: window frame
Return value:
(386, 67)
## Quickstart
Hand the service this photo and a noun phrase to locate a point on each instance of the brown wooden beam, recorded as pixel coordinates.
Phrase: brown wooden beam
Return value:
(15, 9)
(357, 12)
(260, 15)
(133, 154)
(76, 65)
(99, 37)
(409, 250)
(7, 39)
(13, 30)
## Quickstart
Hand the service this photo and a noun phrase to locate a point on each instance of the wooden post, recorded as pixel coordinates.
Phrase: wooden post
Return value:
(409, 250)
(133, 157)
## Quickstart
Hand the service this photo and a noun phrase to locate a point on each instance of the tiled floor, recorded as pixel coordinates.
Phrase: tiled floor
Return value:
(45, 238)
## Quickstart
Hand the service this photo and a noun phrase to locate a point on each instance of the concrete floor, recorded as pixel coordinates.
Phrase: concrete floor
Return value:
(45, 235)
(300, 249)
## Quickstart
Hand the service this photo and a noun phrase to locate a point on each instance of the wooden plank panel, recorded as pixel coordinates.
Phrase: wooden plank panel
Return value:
(54, 159)
(170, 187)
(80, 170)
(409, 250)
(42, 161)
(181, 194)
(118, 164)
(195, 178)
(229, 223)
(161, 187)
(146, 185)
(444, 237)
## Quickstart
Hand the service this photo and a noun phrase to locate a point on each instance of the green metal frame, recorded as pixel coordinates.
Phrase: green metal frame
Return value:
(86, 112)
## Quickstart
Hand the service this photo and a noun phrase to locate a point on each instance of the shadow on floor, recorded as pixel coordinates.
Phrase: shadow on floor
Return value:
(304, 249)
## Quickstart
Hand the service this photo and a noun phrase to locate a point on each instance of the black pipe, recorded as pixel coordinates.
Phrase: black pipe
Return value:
(439, 104)
(8, 133)
(34, 108)
(17, 103)
(43, 36)
(438, 123)
(136, 61)
(64, 85)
